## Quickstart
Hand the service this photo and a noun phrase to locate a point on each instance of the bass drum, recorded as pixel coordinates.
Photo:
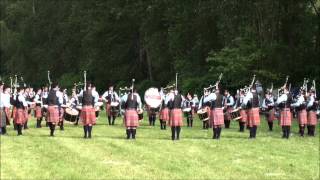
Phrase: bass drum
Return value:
(71, 115)
(152, 98)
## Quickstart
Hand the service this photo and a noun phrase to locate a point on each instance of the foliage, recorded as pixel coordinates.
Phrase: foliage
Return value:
(150, 41)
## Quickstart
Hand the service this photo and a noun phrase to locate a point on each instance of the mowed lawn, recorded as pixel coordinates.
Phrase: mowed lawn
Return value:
(108, 155)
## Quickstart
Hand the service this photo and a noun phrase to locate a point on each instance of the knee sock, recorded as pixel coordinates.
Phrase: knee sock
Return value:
(109, 120)
(214, 133)
(283, 132)
(52, 128)
(251, 132)
(89, 131)
(128, 133)
(134, 131)
(25, 126)
(178, 132)
(61, 126)
(301, 130)
(313, 129)
(19, 129)
(227, 124)
(85, 130)
(270, 124)
(113, 119)
(255, 131)
(219, 132)
(191, 122)
(3, 130)
(173, 131)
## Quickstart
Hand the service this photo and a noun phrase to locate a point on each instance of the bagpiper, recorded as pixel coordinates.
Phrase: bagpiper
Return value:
(132, 106)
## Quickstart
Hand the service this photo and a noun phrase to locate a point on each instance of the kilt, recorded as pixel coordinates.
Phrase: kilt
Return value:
(109, 111)
(3, 117)
(253, 117)
(20, 116)
(312, 118)
(38, 111)
(217, 116)
(88, 115)
(53, 114)
(244, 117)
(176, 117)
(302, 117)
(285, 117)
(271, 116)
(61, 114)
(131, 118)
(164, 114)
(227, 116)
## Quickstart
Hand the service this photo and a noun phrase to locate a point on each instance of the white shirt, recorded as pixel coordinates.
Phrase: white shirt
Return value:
(95, 95)
(5, 100)
(299, 102)
(37, 98)
(22, 99)
(282, 98)
(247, 98)
(310, 101)
(231, 103)
(211, 97)
(112, 93)
(264, 105)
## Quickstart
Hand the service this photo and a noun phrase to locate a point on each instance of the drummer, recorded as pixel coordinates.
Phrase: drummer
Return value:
(206, 106)
(74, 100)
(38, 109)
(62, 108)
(96, 97)
(109, 97)
(188, 111)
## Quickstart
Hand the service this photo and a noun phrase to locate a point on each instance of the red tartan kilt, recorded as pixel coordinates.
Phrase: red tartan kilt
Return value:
(227, 116)
(131, 118)
(244, 117)
(20, 116)
(271, 115)
(302, 117)
(61, 114)
(88, 115)
(53, 114)
(217, 116)
(14, 110)
(285, 117)
(312, 118)
(164, 115)
(253, 117)
(176, 117)
(38, 113)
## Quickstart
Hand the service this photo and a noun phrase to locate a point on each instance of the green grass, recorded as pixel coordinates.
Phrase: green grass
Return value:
(108, 155)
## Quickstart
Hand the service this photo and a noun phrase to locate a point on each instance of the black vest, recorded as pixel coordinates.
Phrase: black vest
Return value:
(218, 101)
(189, 103)
(177, 101)
(255, 100)
(87, 99)
(111, 97)
(131, 103)
(52, 98)
(18, 104)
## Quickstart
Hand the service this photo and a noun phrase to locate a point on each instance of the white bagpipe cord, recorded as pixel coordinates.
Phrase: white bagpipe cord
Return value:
(133, 80)
(85, 80)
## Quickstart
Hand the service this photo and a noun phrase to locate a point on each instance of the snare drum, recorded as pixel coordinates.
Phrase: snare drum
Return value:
(71, 114)
(140, 115)
(114, 104)
(235, 114)
(203, 114)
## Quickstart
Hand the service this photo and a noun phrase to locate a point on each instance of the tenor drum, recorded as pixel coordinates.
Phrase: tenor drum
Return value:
(235, 114)
(186, 110)
(114, 104)
(71, 114)
(97, 106)
(203, 114)
(152, 98)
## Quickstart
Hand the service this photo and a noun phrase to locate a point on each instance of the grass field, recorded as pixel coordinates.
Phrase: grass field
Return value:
(108, 155)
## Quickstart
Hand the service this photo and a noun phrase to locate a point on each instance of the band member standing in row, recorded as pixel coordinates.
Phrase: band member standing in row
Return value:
(268, 105)
(188, 104)
(176, 117)
(205, 105)
(62, 108)
(44, 97)
(132, 105)
(111, 96)
(88, 114)
(4, 109)
(38, 108)
(312, 115)
(216, 112)
(55, 99)
(152, 114)
(301, 107)
(21, 110)
(228, 102)
(164, 111)
(284, 102)
(251, 100)
(242, 111)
